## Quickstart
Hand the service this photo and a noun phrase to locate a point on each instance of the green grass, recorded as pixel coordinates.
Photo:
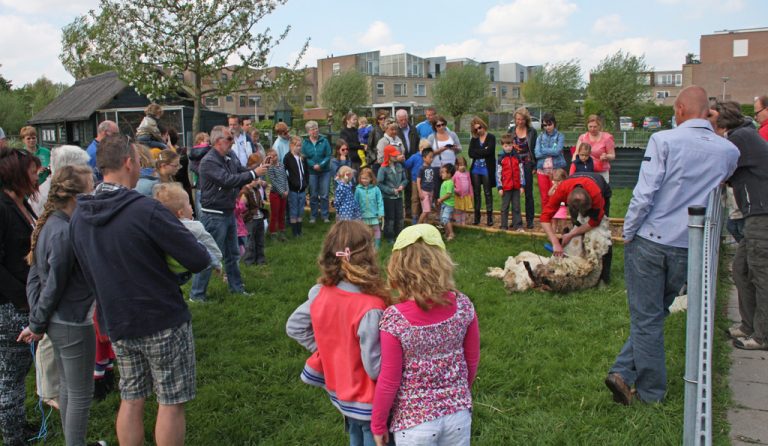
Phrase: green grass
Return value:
(543, 360)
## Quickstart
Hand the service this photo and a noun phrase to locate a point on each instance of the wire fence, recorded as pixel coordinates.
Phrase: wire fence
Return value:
(704, 228)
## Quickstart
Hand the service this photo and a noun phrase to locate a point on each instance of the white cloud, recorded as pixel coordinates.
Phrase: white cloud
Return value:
(535, 14)
(49, 6)
(696, 9)
(608, 25)
(659, 54)
(37, 56)
(379, 36)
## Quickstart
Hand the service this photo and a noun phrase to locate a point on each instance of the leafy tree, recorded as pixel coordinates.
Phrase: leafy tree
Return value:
(78, 53)
(617, 83)
(555, 88)
(5, 84)
(288, 83)
(344, 92)
(153, 44)
(460, 91)
(13, 112)
(18, 105)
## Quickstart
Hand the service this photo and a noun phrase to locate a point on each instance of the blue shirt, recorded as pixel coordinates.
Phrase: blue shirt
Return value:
(680, 167)
(93, 147)
(425, 129)
(413, 164)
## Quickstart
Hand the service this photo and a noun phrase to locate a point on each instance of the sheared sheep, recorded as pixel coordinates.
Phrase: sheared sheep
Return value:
(578, 269)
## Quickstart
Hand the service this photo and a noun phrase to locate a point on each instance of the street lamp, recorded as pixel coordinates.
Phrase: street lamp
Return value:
(725, 79)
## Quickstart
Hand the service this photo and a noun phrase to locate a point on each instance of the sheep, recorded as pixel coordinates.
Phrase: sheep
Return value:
(578, 269)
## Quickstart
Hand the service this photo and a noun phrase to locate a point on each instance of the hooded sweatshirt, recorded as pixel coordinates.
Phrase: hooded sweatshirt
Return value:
(121, 239)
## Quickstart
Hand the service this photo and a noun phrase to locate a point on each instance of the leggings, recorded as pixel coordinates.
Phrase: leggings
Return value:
(545, 183)
(15, 360)
(485, 182)
(277, 205)
(528, 167)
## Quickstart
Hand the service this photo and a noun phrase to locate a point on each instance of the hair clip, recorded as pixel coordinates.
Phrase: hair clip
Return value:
(346, 254)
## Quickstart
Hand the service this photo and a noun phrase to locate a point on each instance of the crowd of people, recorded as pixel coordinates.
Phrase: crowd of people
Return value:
(398, 368)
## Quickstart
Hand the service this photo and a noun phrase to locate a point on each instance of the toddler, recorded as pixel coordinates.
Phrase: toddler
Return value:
(339, 324)
(344, 199)
(368, 197)
(252, 198)
(462, 183)
(447, 199)
(148, 132)
(425, 184)
(412, 168)
(297, 169)
(561, 216)
(508, 182)
(430, 347)
(278, 194)
(392, 181)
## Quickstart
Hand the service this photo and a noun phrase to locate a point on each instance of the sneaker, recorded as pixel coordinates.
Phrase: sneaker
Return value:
(750, 343)
(326, 220)
(520, 230)
(196, 301)
(97, 443)
(312, 221)
(736, 332)
(244, 293)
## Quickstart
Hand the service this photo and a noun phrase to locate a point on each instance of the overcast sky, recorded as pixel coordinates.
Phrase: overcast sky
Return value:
(529, 32)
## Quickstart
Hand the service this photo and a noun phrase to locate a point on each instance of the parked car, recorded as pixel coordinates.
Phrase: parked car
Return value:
(625, 124)
(651, 123)
(535, 123)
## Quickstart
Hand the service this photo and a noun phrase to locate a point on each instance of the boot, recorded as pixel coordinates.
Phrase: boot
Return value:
(490, 219)
(294, 229)
(477, 217)
(298, 229)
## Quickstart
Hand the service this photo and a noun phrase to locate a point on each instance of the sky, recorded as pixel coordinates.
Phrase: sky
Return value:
(530, 32)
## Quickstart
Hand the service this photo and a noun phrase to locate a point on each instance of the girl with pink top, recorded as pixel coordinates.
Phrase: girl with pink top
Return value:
(462, 184)
(603, 146)
(430, 348)
(241, 207)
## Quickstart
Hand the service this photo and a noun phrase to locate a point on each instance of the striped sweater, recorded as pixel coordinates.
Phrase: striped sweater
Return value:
(278, 178)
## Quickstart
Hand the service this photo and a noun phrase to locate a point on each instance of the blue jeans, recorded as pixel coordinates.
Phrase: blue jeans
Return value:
(149, 142)
(318, 192)
(454, 429)
(296, 202)
(654, 275)
(223, 229)
(359, 432)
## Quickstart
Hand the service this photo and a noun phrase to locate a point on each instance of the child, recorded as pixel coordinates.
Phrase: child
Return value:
(463, 186)
(447, 199)
(175, 198)
(340, 156)
(392, 181)
(346, 205)
(425, 184)
(413, 167)
(253, 199)
(196, 153)
(584, 162)
(430, 345)
(278, 195)
(339, 324)
(297, 169)
(368, 197)
(560, 217)
(508, 181)
(363, 132)
(148, 132)
(241, 208)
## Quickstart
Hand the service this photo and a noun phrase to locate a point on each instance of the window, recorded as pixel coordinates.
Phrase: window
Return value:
(669, 79)
(180, 76)
(336, 68)
(437, 70)
(49, 135)
(230, 99)
(678, 80)
(740, 48)
(254, 101)
(419, 90)
(243, 100)
(224, 77)
(308, 98)
(662, 94)
(212, 101)
(516, 92)
(494, 91)
(503, 91)
(400, 89)
(379, 88)
(492, 74)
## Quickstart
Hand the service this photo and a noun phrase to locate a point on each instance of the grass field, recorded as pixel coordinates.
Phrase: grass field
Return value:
(540, 381)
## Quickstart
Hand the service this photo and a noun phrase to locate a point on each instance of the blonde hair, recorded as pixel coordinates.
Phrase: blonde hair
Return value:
(28, 131)
(362, 120)
(154, 110)
(475, 121)
(596, 119)
(423, 144)
(171, 195)
(522, 111)
(66, 184)
(201, 137)
(295, 140)
(367, 172)
(166, 156)
(343, 170)
(145, 156)
(584, 146)
(421, 272)
(362, 266)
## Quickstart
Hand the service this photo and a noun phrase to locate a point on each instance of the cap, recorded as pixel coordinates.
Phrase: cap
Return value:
(410, 235)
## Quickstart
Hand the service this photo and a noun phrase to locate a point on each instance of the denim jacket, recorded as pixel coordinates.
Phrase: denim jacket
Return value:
(550, 145)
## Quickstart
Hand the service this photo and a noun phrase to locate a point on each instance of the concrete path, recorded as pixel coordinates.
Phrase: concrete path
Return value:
(749, 389)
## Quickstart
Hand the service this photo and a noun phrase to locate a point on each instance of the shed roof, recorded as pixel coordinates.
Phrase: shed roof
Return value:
(80, 101)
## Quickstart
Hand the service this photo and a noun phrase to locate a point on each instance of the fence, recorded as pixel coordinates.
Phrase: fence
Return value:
(704, 228)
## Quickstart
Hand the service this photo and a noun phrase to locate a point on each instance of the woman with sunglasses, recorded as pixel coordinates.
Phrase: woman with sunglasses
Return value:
(349, 134)
(378, 132)
(482, 151)
(549, 155)
(524, 141)
(18, 180)
(445, 145)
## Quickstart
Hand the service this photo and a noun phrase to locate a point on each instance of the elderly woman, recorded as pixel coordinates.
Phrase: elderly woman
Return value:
(603, 147)
(29, 138)
(524, 141)
(482, 150)
(389, 138)
(18, 179)
(445, 145)
(60, 157)
(316, 149)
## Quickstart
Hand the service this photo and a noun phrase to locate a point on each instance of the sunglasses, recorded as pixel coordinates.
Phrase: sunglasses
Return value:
(549, 124)
(439, 125)
(229, 138)
(477, 129)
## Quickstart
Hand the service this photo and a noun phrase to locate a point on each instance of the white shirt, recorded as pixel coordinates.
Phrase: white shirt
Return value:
(242, 149)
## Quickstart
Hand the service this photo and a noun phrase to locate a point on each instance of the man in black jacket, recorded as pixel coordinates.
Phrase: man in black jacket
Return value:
(123, 241)
(221, 177)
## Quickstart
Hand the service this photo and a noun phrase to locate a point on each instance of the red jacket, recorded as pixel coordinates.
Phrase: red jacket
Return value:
(508, 172)
(764, 130)
(561, 196)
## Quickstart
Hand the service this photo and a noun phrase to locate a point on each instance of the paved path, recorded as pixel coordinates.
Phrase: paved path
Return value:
(749, 389)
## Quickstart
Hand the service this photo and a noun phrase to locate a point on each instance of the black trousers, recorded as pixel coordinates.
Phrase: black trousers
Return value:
(528, 167)
(254, 249)
(393, 218)
(485, 182)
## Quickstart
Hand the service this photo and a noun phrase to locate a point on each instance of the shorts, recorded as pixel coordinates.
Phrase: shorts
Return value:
(445, 214)
(454, 429)
(163, 362)
(426, 201)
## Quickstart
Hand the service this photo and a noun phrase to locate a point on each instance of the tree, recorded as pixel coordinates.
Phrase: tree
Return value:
(555, 88)
(288, 83)
(617, 85)
(78, 54)
(152, 44)
(5, 84)
(18, 105)
(460, 91)
(344, 92)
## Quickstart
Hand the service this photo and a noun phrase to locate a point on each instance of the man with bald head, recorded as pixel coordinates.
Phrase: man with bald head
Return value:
(680, 167)
(105, 128)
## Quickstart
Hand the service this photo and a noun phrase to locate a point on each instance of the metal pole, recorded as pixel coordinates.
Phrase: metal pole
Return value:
(696, 217)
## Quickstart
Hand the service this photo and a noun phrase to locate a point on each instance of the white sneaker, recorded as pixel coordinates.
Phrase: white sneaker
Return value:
(750, 343)
(736, 332)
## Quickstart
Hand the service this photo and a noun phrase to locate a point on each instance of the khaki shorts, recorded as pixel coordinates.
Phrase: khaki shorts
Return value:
(163, 362)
